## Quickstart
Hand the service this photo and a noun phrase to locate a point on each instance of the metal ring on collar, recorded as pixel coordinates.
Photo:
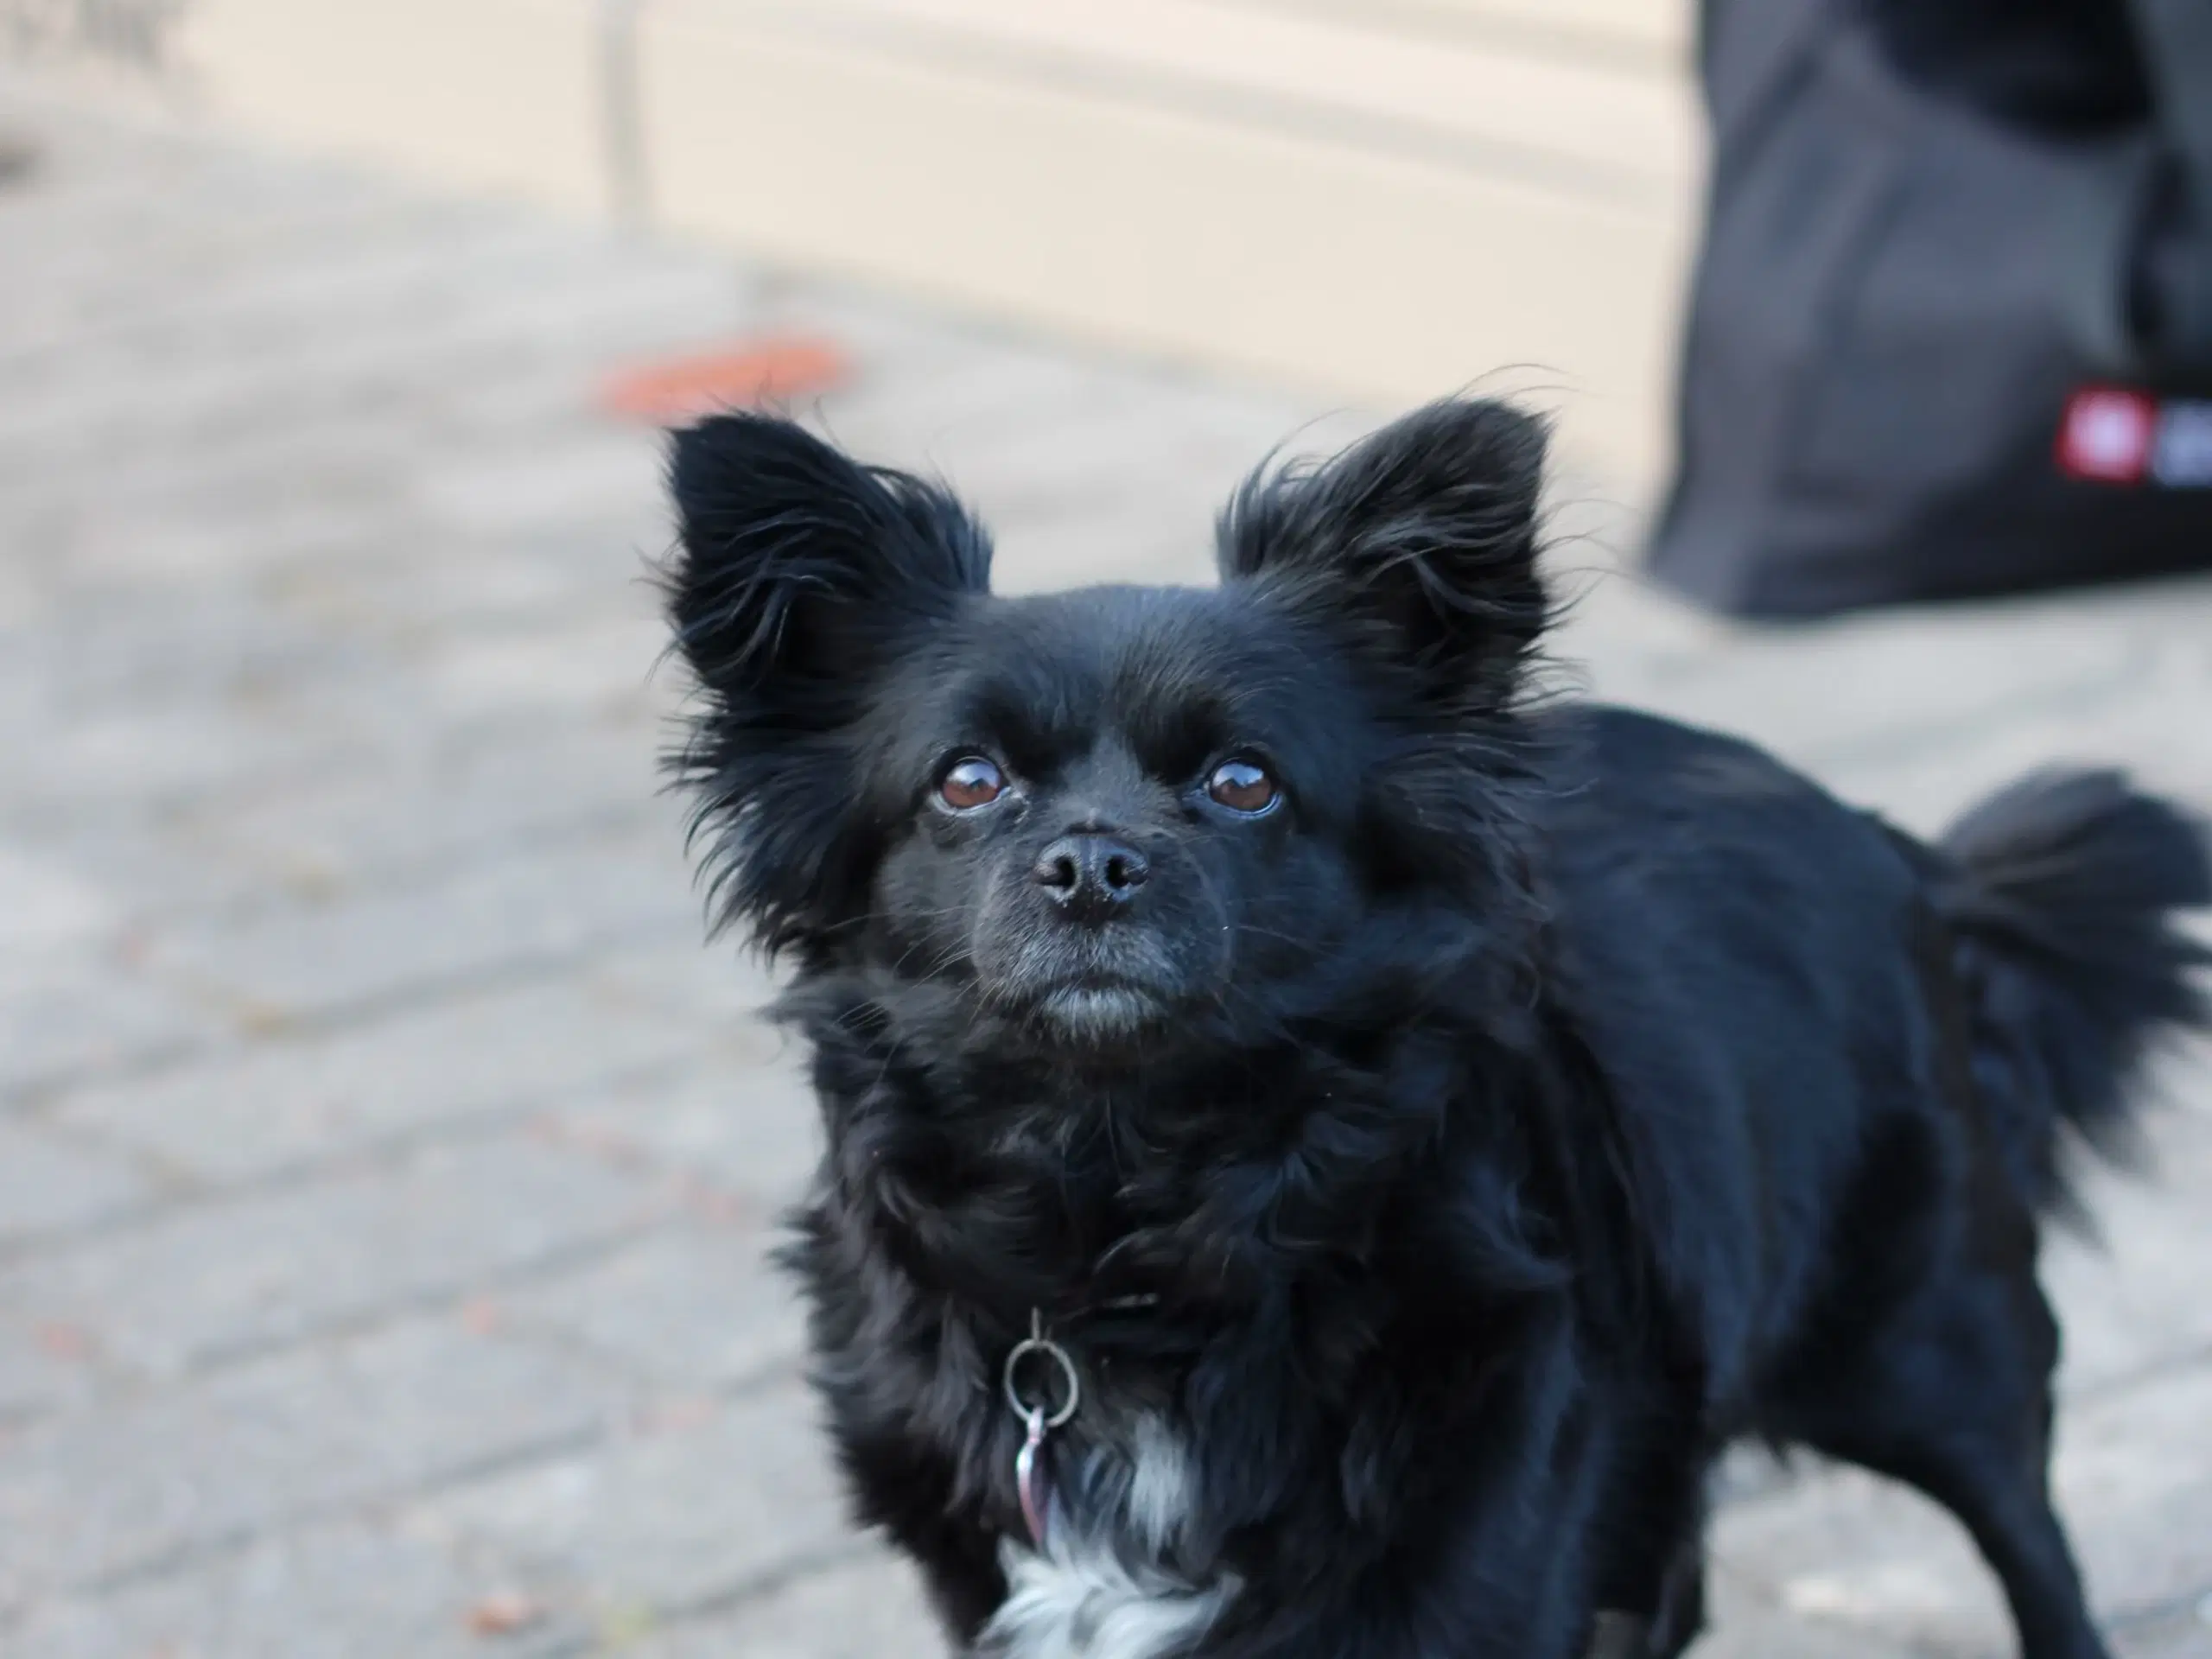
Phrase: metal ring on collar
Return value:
(1043, 1346)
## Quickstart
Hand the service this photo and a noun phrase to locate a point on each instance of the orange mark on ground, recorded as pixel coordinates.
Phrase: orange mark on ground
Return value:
(773, 369)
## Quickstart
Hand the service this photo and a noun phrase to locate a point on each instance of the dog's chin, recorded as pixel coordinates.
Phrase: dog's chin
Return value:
(1098, 1014)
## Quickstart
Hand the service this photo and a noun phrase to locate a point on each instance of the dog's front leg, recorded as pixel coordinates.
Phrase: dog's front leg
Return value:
(1507, 1571)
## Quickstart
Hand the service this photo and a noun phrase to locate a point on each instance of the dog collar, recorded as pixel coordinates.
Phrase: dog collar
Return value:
(1043, 1387)
(1039, 1361)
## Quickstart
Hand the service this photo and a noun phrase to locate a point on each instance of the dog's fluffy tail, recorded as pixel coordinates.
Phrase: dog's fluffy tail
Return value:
(2062, 897)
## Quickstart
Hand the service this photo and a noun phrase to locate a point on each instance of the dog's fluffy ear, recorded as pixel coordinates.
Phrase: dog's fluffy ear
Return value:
(800, 577)
(1420, 540)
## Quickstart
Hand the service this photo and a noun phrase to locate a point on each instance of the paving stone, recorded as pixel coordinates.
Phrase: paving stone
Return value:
(1842, 1549)
(442, 933)
(601, 664)
(158, 539)
(90, 1496)
(155, 700)
(45, 1366)
(439, 583)
(722, 1498)
(2129, 1291)
(2183, 1632)
(309, 1098)
(2131, 725)
(1888, 688)
(237, 387)
(717, 980)
(142, 863)
(749, 1130)
(692, 1309)
(865, 1609)
(2137, 1491)
(197, 1285)
(45, 905)
(1742, 1623)
(156, 536)
(47, 1183)
(1848, 1548)
(143, 644)
(106, 762)
(465, 803)
(72, 1014)
(23, 598)
(536, 484)
(353, 1591)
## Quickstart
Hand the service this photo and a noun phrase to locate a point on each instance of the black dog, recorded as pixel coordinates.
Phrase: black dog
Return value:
(1324, 1147)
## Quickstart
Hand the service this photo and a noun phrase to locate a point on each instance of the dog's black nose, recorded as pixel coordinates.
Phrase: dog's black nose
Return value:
(1090, 874)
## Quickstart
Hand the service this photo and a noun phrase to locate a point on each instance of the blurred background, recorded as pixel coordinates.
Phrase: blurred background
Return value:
(386, 1165)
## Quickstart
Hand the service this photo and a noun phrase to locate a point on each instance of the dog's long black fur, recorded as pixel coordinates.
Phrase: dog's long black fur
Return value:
(1434, 1119)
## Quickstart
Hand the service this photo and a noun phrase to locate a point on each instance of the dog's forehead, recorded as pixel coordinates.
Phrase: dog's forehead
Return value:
(1096, 657)
(1171, 675)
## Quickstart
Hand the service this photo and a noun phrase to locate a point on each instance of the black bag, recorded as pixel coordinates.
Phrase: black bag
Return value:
(1935, 350)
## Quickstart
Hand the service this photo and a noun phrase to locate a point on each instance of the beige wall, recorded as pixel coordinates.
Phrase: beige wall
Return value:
(1388, 198)
(496, 94)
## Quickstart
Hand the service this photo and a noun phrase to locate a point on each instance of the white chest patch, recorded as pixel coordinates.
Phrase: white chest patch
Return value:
(1159, 1484)
(1100, 1587)
(1087, 1604)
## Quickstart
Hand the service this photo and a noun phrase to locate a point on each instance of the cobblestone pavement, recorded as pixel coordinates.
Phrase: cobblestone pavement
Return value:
(384, 1165)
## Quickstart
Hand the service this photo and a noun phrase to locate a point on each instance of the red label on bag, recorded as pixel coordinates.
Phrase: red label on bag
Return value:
(2113, 435)
(2107, 434)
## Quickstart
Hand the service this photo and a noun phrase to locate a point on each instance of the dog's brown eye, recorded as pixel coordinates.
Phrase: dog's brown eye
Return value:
(1242, 786)
(970, 783)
